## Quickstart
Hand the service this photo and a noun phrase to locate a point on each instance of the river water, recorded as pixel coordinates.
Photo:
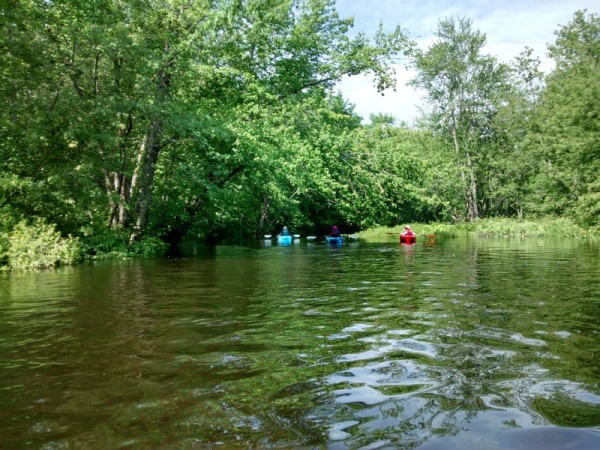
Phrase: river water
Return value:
(456, 344)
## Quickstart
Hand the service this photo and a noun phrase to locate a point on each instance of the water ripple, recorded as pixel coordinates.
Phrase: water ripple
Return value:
(441, 346)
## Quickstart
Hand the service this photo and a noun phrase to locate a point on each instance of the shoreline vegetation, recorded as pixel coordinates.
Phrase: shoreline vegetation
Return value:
(496, 227)
(41, 247)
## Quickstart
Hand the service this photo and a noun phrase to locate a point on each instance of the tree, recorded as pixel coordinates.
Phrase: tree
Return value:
(565, 139)
(142, 115)
(514, 165)
(382, 177)
(464, 89)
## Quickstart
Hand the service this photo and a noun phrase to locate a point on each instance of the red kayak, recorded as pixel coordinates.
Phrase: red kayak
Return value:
(408, 239)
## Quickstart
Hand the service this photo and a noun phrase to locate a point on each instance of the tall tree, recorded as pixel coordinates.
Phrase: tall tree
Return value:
(565, 139)
(464, 88)
(515, 164)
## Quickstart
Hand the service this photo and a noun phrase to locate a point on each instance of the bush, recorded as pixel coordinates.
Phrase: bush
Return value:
(494, 227)
(3, 251)
(148, 246)
(384, 234)
(103, 243)
(40, 246)
(543, 227)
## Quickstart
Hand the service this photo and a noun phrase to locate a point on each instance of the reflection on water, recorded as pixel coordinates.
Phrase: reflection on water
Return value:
(451, 344)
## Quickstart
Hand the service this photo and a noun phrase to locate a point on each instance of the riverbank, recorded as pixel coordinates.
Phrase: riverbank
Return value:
(40, 246)
(497, 227)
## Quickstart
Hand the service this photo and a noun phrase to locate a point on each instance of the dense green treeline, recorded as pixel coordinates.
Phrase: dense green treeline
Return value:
(129, 125)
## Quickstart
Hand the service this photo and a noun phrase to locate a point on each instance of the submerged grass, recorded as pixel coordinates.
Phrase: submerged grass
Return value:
(497, 227)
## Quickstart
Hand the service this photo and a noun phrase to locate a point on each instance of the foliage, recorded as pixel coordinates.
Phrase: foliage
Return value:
(102, 243)
(551, 227)
(384, 178)
(464, 89)
(565, 138)
(134, 125)
(426, 232)
(511, 171)
(444, 185)
(146, 115)
(491, 227)
(148, 246)
(4, 246)
(40, 246)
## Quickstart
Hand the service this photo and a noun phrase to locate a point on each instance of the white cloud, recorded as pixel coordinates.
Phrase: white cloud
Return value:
(509, 26)
(402, 104)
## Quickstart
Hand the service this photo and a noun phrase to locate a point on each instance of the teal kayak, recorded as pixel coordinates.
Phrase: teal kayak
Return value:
(334, 239)
(284, 240)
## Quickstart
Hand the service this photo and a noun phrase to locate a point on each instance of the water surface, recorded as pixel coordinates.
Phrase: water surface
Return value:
(483, 344)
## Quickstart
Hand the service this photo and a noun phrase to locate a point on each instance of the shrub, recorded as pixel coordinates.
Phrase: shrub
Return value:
(3, 251)
(493, 227)
(543, 227)
(103, 243)
(39, 246)
(100, 243)
(148, 246)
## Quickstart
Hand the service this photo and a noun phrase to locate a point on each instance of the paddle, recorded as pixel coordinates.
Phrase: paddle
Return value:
(267, 236)
(296, 235)
(311, 237)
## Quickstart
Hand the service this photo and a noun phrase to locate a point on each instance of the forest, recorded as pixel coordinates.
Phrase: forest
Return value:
(129, 126)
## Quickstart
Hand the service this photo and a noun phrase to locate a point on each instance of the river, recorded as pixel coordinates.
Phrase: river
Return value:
(449, 344)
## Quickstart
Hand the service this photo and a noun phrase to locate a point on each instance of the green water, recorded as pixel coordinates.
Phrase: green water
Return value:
(487, 344)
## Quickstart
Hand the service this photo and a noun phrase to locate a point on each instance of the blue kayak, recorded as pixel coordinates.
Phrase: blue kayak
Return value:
(284, 240)
(334, 239)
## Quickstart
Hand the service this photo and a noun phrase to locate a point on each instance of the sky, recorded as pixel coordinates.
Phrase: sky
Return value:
(509, 25)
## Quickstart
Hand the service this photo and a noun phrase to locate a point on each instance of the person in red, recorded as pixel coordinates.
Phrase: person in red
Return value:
(407, 231)
(408, 236)
(335, 232)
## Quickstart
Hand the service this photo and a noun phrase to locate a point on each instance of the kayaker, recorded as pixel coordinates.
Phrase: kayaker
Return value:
(335, 232)
(407, 231)
(284, 232)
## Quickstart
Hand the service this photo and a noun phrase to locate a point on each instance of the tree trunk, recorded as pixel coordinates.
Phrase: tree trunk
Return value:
(263, 216)
(473, 210)
(471, 183)
(183, 223)
(458, 158)
(117, 182)
(181, 226)
(148, 157)
(145, 171)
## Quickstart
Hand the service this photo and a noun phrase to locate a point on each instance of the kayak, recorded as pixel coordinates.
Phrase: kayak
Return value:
(334, 239)
(284, 240)
(408, 239)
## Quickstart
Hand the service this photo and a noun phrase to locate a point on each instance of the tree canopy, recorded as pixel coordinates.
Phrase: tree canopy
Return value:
(129, 123)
